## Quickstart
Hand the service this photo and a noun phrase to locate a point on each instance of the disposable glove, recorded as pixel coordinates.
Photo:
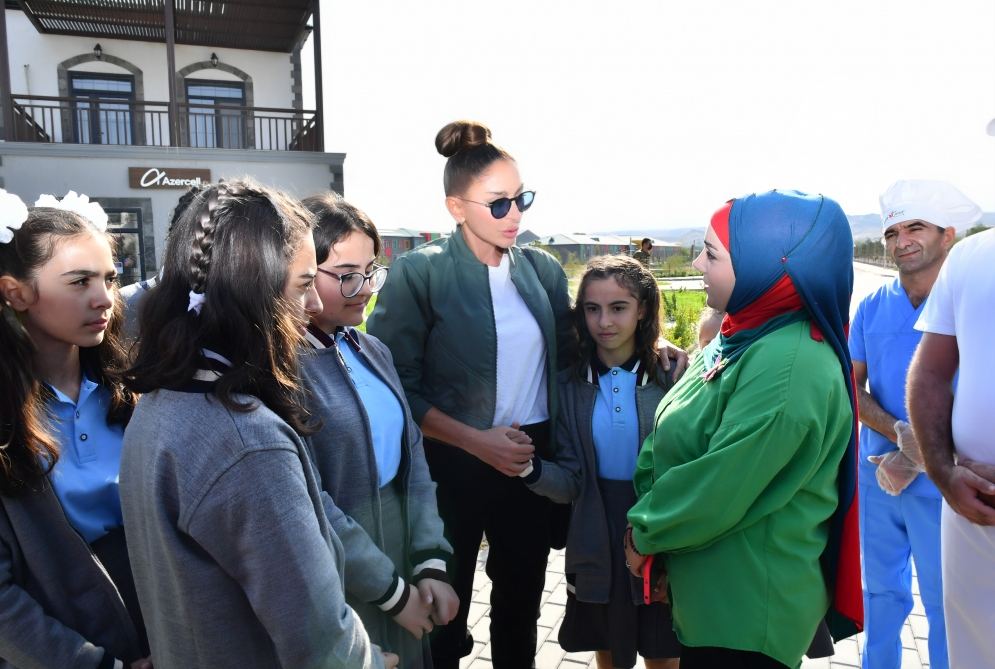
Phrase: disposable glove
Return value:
(895, 471)
(908, 444)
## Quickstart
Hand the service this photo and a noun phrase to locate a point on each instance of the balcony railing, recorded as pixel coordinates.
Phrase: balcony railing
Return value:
(119, 121)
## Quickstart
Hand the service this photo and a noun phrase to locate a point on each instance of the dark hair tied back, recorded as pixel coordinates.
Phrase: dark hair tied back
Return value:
(460, 135)
(467, 145)
(203, 241)
(235, 244)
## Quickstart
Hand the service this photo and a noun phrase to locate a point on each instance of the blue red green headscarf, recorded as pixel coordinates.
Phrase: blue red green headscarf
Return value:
(792, 255)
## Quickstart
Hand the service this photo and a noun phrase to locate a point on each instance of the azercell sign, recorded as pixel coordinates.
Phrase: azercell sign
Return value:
(145, 178)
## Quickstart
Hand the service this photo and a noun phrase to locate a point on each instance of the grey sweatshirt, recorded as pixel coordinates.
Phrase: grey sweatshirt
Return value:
(573, 477)
(233, 557)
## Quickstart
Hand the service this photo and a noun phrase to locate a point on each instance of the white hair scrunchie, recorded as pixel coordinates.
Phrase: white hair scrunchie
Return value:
(13, 213)
(79, 204)
(196, 302)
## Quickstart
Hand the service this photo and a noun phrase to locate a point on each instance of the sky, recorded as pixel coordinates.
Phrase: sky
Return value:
(649, 114)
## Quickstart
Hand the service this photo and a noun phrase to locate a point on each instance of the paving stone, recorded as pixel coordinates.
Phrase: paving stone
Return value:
(559, 595)
(483, 594)
(477, 611)
(549, 656)
(920, 626)
(544, 634)
(550, 613)
(481, 631)
(847, 653)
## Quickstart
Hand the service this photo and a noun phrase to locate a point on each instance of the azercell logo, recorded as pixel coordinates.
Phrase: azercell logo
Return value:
(893, 213)
(156, 177)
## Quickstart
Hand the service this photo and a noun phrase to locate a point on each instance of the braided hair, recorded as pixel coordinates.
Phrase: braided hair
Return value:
(203, 240)
(233, 247)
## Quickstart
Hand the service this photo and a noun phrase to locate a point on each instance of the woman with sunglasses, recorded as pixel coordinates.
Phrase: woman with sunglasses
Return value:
(369, 451)
(477, 327)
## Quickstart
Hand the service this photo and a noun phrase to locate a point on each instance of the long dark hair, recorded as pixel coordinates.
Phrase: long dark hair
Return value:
(28, 450)
(234, 243)
(631, 275)
(334, 219)
(468, 146)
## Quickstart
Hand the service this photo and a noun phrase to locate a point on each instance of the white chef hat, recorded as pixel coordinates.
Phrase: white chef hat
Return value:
(935, 202)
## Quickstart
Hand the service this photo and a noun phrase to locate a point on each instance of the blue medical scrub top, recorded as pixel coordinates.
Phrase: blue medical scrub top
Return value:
(85, 478)
(882, 336)
(382, 408)
(615, 423)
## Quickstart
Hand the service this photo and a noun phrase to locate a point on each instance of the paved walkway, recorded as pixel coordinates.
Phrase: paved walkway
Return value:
(551, 656)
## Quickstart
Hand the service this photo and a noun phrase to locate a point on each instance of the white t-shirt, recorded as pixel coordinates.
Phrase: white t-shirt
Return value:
(521, 354)
(962, 304)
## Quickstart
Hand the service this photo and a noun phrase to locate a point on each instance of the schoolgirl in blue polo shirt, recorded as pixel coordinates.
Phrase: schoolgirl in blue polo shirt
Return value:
(62, 414)
(369, 452)
(609, 396)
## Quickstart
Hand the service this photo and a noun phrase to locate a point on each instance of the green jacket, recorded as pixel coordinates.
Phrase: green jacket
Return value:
(436, 317)
(736, 486)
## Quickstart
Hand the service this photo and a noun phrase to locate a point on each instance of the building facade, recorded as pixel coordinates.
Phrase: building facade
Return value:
(132, 105)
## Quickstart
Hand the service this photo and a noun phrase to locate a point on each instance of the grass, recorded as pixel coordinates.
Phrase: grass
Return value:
(693, 300)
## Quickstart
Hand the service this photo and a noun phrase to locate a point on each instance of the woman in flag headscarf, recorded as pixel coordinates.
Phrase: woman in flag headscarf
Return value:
(746, 485)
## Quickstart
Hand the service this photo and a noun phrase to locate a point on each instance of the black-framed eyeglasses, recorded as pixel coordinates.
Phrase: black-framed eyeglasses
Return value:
(351, 283)
(501, 206)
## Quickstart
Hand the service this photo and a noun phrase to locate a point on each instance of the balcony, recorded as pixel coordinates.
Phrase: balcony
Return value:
(115, 121)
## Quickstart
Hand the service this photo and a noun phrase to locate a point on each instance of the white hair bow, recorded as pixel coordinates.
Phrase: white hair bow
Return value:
(13, 213)
(80, 204)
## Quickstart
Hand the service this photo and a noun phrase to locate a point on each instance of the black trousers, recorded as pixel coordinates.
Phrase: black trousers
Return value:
(710, 657)
(475, 499)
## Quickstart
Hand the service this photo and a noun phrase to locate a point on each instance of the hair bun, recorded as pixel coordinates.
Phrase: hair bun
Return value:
(460, 135)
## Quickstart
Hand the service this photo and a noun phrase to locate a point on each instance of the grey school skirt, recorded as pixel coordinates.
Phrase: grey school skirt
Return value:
(620, 626)
(383, 630)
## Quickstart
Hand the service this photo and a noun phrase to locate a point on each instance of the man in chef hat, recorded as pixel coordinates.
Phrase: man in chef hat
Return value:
(899, 505)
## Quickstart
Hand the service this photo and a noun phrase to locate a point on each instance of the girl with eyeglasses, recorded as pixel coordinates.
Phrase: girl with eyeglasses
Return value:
(369, 450)
(67, 597)
(746, 485)
(607, 401)
(477, 327)
(234, 557)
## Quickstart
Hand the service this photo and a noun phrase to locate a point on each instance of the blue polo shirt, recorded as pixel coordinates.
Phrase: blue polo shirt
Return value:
(614, 423)
(882, 336)
(85, 478)
(383, 410)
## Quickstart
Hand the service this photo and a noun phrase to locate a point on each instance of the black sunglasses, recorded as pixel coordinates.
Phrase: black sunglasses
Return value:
(501, 206)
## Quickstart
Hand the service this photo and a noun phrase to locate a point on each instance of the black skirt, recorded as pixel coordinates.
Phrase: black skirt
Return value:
(621, 626)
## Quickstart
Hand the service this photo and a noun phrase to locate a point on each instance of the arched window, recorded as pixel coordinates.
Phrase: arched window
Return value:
(106, 100)
(215, 112)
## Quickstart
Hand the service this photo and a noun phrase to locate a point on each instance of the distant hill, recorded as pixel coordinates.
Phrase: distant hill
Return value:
(863, 226)
(682, 236)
